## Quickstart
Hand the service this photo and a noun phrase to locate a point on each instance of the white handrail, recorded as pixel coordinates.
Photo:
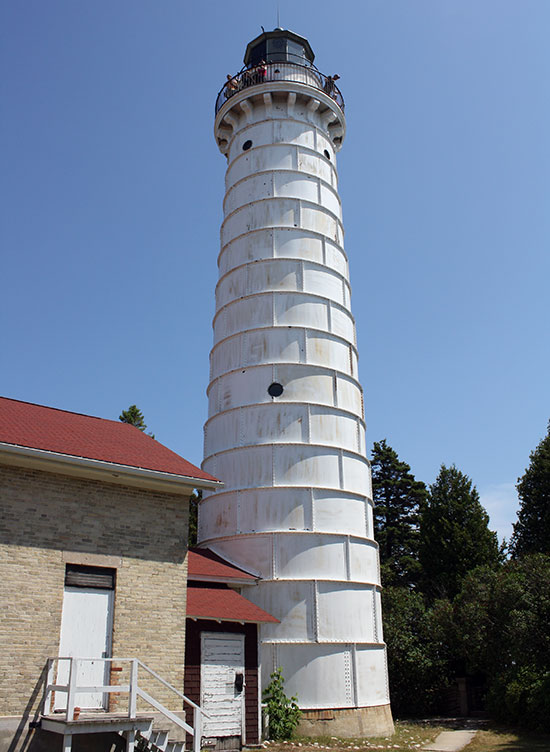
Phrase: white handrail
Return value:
(133, 689)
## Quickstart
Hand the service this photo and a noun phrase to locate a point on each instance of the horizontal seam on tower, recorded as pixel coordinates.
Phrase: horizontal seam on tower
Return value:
(284, 327)
(343, 374)
(282, 198)
(273, 405)
(270, 228)
(283, 292)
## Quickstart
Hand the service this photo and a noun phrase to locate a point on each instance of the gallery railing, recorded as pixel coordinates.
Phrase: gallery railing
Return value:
(279, 71)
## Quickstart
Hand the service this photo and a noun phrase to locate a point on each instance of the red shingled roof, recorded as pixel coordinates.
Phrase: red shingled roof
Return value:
(35, 426)
(224, 604)
(205, 564)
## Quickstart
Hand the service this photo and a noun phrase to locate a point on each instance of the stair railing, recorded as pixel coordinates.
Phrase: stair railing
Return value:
(133, 689)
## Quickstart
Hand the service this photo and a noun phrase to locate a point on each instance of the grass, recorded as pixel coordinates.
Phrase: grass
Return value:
(413, 736)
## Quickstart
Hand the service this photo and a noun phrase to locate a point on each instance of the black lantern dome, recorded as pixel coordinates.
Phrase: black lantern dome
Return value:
(278, 46)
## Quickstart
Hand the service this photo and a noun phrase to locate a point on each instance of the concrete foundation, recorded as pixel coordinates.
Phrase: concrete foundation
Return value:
(347, 722)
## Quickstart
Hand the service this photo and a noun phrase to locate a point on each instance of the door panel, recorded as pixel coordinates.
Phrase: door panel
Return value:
(86, 626)
(222, 683)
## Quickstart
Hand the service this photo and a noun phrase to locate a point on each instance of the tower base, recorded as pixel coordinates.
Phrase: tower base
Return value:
(347, 722)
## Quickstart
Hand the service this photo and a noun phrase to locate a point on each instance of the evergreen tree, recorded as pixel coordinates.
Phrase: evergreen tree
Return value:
(532, 530)
(454, 534)
(134, 417)
(398, 499)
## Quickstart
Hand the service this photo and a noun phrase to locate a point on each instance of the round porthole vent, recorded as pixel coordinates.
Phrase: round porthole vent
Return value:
(247, 145)
(275, 389)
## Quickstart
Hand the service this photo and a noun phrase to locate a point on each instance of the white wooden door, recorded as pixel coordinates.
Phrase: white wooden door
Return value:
(86, 627)
(222, 683)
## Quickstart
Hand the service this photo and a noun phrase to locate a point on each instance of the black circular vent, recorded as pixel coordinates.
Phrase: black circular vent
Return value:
(275, 389)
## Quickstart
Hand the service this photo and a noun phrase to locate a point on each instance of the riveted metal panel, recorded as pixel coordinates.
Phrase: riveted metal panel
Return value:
(363, 561)
(336, 512)
(336, 259)
(349, 394)
(296, 185)
(371, 675)
(254, 553)
(323, 349)
(356, 474)
(271, 509)
(290, 243)
(295, 309)
(320, 280)
(250, 247)
(310, 556)
(333, 428)
(342, 324)
(218, 516)
(316, 674)
(345, 612)
(291, 603)
(306, 465)
(274, 275)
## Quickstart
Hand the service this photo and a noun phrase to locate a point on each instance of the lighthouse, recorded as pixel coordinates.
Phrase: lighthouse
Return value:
(286, 428)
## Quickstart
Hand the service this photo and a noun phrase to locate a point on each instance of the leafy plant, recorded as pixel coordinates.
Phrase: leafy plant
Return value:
(283, 712)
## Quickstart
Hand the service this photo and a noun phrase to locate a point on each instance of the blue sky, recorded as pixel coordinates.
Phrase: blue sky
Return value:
(112, 186)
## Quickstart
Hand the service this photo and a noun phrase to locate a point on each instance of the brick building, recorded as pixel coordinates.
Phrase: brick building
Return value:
(93, 561)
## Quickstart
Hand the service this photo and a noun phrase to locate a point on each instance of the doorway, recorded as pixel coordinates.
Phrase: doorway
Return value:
(222, 684)
(86, 632)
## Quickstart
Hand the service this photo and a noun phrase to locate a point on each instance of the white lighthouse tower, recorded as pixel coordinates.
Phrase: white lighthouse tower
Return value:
(286, 430)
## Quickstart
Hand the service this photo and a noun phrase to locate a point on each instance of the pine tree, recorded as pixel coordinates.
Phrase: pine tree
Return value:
(532, 530)
(398, 499)
(454, 534)
(134, 417)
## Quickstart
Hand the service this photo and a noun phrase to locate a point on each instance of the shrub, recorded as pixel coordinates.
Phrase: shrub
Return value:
(283, 712)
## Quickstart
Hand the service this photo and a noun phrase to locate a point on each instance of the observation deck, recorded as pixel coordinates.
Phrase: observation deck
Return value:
(295, 71)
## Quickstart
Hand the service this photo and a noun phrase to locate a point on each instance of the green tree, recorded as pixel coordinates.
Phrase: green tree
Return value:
(454, 534)
(134, 417)
(398, 499)
(417, 654)
(501, 619)
(532, 530)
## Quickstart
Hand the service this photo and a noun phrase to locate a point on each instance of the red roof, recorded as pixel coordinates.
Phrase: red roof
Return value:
(224, 604)
(205, 564)
(47, 428)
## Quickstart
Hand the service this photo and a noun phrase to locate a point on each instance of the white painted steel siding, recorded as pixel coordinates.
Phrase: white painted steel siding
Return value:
(297, 504)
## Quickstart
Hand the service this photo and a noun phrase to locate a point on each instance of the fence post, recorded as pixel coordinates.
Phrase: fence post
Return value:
(197, 729)
(71, 699)
(132, 700)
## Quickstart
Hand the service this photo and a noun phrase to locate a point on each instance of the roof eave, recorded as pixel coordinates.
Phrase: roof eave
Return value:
(273, 620)
(220, 579)
(82, 467)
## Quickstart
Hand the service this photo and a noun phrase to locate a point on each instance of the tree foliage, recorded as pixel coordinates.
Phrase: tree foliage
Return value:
(417, 663)
(501, 622)
(532, 529)
(134, 417)
(398, 499)
(454, 534)
(283, 712)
